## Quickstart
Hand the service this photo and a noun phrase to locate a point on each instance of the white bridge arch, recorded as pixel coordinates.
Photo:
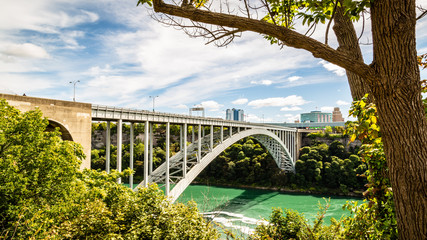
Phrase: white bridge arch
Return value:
(183, 167)
(267, 138)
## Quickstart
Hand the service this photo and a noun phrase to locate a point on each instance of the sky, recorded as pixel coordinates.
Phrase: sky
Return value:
(121, 56)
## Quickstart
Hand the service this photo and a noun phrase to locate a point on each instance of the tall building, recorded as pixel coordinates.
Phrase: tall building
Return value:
(234, 114)
(229, 114)
(336, 115)
(316, 117)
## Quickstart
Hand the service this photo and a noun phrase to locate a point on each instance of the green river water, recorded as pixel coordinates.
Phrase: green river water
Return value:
(241, 209)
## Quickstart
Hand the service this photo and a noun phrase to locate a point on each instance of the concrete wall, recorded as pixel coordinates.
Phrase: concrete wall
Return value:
(74, 116)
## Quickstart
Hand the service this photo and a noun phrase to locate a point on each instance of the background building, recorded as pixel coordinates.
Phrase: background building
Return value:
(229, 114)
(316, 117)
(336, 115)
(234, 114)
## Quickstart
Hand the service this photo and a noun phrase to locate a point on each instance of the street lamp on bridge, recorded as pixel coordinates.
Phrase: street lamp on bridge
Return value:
(74, 82)
(153, 97)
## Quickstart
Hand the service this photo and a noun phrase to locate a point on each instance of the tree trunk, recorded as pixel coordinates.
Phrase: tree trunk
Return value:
(349, 44)
(403, 125)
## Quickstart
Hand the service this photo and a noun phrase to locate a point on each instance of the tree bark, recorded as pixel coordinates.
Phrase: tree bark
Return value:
(401, 117)
(349, 44)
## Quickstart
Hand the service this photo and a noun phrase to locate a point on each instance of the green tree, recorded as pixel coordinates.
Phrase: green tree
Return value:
(43, 194)
(393, 78)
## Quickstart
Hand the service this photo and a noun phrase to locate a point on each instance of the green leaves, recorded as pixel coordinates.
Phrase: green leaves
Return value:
(43, 194)
(142, 2)
(365, 128)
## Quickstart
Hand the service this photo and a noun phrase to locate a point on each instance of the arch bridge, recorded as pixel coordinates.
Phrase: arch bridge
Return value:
(202, 147)
(73, 119)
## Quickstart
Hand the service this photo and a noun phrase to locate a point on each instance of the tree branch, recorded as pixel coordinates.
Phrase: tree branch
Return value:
(288, 37)
(330, 21)
(422, 15)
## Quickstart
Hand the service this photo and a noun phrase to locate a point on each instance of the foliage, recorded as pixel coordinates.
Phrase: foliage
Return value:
(327, 133)
(280, 226)
(424, 90)
(245, 162)
(293, 225)
(375, 219)
(330, 166)
(43, 194)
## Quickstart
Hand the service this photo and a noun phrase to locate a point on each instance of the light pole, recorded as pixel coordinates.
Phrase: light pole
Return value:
(153, 97)
(75, 82)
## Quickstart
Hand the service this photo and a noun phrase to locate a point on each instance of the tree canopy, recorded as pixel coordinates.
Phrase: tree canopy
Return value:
(43, 194)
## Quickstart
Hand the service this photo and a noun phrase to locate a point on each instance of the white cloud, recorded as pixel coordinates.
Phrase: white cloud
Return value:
(333, 68)
(262, 82)
(70, 39)
(289, 118)
(97, 70)
(47, 16)
(211, 105)
(292, 100)
(240, 101)
(255, 118)
(180, 106)
(289, 109)
(327, 109)
(294, 78)
(342, 103)
(25, 50)
(19, 84)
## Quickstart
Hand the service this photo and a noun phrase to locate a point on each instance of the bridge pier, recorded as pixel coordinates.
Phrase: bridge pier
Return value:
(151, 139)
(199, 144)
(211, 138)
(131, 155)
(167, 188)
(119, 148)
(108, 148)
(184, 164)
(146, 147)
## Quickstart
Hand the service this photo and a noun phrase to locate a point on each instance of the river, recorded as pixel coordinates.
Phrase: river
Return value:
(241, 209)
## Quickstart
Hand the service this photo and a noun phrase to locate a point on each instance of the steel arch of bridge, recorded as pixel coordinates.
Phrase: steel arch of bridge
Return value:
(272, 142)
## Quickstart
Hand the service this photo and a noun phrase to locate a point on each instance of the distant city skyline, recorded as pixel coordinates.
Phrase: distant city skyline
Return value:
(121, 56)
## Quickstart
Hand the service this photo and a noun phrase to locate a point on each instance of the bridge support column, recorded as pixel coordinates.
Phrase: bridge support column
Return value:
(211, 142)
(296, 146)
(299, 143)
(131, 156)
(199, 144)
(192, 134)
(167, 188)
(108, 148)
(180, 138)
(231, 131)
(119, 148)
(146, 139)
(292, 149)
(222, 134)
(151, 140)
(184, 164)
(203, 131)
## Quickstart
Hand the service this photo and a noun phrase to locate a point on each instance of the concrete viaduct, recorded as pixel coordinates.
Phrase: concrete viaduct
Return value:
(74, 120)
